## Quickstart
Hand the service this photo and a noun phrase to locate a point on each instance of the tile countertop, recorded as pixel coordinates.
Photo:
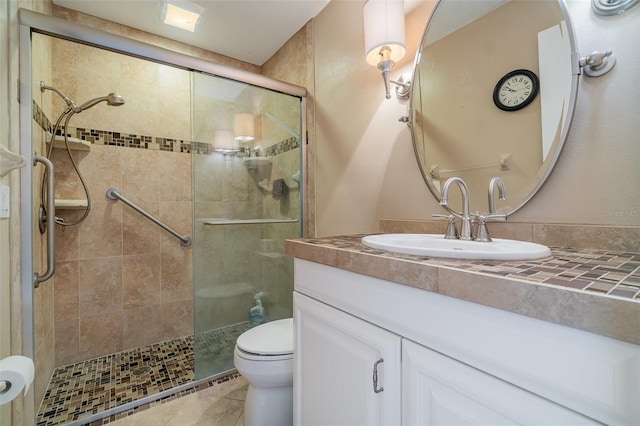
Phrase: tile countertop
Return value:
(592, 290)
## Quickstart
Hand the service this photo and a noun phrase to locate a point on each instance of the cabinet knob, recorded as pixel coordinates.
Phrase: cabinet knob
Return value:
(376, 389)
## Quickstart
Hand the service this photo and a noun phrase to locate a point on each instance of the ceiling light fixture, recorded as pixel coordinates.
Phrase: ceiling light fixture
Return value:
(384, 39)
(181, 14)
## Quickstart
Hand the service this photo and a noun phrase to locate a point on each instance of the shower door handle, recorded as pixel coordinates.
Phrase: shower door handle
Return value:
(51, 222)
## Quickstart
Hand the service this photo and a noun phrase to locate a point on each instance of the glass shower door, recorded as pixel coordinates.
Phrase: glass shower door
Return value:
(247, 201)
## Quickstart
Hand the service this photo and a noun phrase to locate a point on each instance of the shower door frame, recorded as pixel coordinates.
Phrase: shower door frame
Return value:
(31, 22)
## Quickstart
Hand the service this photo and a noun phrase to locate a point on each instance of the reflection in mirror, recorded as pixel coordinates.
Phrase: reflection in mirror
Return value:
(458, 130)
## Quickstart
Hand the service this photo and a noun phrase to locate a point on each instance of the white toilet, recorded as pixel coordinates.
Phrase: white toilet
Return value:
(264, 356)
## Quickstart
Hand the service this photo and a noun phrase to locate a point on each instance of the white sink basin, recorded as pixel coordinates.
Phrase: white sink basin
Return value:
(435, 245)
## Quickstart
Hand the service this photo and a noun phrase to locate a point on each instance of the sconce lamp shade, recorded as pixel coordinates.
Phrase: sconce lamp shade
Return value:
(243, 127)
(384, 26)
(223, 140)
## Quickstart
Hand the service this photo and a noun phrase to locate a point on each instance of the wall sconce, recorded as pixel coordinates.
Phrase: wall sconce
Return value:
(223, 141)
(244, 127)
(384, 39)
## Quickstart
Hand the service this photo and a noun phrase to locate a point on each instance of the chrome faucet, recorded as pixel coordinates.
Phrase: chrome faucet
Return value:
(496, 181)
(465, 231)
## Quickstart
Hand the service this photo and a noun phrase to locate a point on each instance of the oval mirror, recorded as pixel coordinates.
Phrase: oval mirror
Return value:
(470, 51)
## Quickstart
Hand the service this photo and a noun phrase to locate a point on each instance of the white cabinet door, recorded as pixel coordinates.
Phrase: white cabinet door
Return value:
(438, 390)
(335, 356)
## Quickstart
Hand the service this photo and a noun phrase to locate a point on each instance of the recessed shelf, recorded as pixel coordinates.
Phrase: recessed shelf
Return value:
(74, 143)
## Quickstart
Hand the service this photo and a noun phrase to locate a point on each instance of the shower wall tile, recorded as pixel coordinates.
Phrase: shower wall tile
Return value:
(141, 175)
(178, 214)
(65, 77)
(175, 176)
(139, 234)
(210, 172)
(43, 352)
(141, 280)
(101, 233)
(176, 275)
(101, 334)
(67, 345)
(100, 288)
(208, 267)
(67, 239)
(177, 318)
(101, 168)
(239, 184)
(66, 291)
(141, 326)
(42, 303)
(67, 182)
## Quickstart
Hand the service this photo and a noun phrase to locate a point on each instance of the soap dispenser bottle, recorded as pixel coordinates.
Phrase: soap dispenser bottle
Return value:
(256, 315)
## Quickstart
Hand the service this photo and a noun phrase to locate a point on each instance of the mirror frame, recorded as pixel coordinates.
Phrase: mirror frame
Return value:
(545, 171)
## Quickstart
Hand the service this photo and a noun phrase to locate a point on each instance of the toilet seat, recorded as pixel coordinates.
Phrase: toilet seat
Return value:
(266, 358)
(273, 341)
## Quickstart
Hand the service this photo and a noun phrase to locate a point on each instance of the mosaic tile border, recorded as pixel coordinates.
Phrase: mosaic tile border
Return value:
(606, 272)
(128, 140)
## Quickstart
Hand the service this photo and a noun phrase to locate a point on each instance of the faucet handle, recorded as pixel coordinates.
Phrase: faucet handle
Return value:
(452, 232)
(496, 218)
(482, 235)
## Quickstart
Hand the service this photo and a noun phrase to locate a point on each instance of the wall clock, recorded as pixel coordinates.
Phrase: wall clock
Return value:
(516, 90)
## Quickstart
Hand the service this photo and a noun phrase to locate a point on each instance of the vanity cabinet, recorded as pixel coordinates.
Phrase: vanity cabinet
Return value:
(336, 356)
(351, 372)
(438, 390)
(446, 361)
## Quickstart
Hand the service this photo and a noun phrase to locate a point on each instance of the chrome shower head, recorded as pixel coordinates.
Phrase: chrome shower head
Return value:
(112, 99)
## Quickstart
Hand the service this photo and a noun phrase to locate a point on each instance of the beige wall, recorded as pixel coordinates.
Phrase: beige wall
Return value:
(358, 136)
(366, 168)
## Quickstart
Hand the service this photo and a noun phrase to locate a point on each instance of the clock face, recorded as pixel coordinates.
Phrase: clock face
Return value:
(515, 90)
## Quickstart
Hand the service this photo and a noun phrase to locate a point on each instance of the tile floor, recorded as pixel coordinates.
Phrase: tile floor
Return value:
(219, 405)
(90, 389)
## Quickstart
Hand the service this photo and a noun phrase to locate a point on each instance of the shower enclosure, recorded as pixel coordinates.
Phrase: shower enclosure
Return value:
(212, 153)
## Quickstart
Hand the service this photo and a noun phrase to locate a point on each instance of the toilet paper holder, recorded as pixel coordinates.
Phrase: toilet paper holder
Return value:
(5, 385)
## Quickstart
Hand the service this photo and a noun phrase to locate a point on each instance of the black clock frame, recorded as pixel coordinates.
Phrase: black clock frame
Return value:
(534, 90)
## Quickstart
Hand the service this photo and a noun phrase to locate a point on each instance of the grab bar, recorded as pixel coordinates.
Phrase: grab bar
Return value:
(247, 221)
(115, 194)
(50, 218)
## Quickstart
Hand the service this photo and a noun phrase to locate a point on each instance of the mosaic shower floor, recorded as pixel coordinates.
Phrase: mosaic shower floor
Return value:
(82, 390)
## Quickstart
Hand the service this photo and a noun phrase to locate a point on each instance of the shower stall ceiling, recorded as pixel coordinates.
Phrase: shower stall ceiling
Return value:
(122, 282)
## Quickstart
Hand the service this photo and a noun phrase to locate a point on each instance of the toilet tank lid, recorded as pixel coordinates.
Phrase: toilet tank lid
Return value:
(272, 338)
